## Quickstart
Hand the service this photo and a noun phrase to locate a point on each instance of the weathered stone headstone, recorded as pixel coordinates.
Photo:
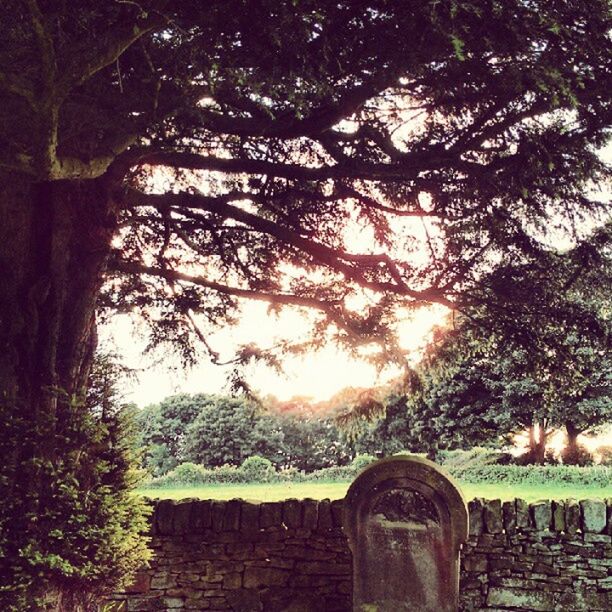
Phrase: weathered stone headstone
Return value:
(405, 520)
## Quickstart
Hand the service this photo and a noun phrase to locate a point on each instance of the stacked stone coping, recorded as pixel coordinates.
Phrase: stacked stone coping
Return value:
(293, 556)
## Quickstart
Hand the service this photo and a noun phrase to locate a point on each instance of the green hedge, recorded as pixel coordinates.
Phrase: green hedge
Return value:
(257, 469)
(254, 469)
(535, 474)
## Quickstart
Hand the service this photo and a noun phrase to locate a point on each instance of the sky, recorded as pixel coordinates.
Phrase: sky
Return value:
(317, 375)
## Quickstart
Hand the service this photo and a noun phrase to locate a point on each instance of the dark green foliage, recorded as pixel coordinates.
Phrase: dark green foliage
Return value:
(313, 442)
(228, 430)
(258, 469)
(475, 457)
(81, 532)
(504, 365)
(162, 429)
(477, 466)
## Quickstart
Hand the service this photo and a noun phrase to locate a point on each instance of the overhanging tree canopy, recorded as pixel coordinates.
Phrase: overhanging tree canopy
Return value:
(287, 124)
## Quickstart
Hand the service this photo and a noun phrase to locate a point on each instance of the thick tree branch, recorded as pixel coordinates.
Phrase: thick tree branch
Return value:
(93, 56)
(335, 259)
(288, 126)
(333, 310)
(408, 170)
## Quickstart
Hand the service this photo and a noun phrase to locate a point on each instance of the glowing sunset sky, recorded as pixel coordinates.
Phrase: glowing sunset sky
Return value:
(317, 375)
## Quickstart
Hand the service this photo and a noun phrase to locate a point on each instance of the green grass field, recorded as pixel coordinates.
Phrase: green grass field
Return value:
(336, 490)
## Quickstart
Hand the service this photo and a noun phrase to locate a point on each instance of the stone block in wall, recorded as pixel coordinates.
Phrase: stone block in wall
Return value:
(582, 599)
(249, 516)
(163, 517)
(257, 577)
(325, 521)
(244, 600)
(217, 515)
(523, 520)
(541, 515)
(201, 515)
(509, 516)
(572, 516)
(310, 514)
(593, 515)
(475, 563)
(609, 516)
(337, 510)
(270, 514)
(292, 513)
(475, 509)
(524, 599)
(231, 520)
(558, 518)
(493, 516)
(163, 580)
(232, 580)
(181, 519)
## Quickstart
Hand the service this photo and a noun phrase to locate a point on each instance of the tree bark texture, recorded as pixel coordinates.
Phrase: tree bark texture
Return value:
(55, 239)
(54, 242)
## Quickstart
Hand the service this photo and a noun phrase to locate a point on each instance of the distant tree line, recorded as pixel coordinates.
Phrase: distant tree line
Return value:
(214, 430)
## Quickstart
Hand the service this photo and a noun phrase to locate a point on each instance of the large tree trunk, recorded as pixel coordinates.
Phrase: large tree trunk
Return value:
(55, 240)
(574, 453)
(538, 437)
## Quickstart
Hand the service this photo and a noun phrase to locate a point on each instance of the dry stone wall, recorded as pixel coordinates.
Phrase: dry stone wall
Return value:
(292, 556)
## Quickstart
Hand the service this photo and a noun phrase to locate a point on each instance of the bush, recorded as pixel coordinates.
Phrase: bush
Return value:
(605, 455)
(258, 469)
(70, 527)
(362, 461)
(189, 474)
(473, 458)
(577, 455)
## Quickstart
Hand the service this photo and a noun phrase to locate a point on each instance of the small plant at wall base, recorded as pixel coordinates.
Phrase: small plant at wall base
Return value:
(80, 536)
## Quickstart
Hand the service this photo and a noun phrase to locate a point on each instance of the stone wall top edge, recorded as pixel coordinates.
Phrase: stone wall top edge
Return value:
(190, 515)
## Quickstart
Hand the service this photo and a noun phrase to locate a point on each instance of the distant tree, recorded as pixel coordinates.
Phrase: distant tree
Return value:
(535, 352)
(228, 431)
(389, 433)
(163, 427)
(313, 442)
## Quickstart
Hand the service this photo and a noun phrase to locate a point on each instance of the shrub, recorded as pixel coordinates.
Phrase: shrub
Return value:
(70, 527)
(361, 461)
(258, 469)
(475, 457)
(332, 474)
(605, 455)
(189, 474)
(577, 455)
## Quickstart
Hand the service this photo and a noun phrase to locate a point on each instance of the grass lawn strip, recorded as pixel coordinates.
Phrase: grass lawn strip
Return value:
(337, 490)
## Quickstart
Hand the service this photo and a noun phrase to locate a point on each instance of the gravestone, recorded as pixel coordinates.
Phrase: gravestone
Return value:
(406, 521)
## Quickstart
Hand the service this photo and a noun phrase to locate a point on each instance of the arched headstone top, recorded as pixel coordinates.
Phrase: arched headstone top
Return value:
(405, 519)
(410, 489)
